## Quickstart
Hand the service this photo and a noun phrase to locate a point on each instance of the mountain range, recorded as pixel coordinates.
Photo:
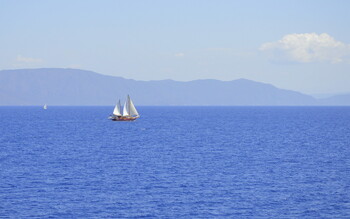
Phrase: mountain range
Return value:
(58, 86)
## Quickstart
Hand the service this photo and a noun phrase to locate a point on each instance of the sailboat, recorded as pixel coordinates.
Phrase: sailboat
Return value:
(129, 112)
(45, 107)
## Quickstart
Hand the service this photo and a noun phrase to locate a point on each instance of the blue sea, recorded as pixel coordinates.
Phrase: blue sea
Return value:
(175, 162)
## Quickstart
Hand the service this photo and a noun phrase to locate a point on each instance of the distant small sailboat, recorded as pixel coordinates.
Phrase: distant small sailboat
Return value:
(45, 107)
(129, 112)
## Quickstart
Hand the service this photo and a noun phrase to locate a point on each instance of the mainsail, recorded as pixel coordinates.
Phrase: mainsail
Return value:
(125, 109)
(131, 108)
(116, 110)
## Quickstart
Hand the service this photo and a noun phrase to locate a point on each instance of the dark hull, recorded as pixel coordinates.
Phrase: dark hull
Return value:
(123, 119)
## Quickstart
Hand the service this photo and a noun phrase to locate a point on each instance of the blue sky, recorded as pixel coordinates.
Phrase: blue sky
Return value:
(298, 45)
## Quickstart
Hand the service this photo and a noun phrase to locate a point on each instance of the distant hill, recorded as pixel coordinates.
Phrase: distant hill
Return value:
(56, 86)
(337, 100)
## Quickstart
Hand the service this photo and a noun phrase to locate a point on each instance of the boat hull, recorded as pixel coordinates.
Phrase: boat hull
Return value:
(122, 118)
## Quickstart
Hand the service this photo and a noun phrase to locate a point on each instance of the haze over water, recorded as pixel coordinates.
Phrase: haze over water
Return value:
(173, 162)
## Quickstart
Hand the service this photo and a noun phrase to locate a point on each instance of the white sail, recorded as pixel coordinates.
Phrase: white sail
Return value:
(125, 109)
(117, 109)
(45, 107)
(132, 109)
(127, 113)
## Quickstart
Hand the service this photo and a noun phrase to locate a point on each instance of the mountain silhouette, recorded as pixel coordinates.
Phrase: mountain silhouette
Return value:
(58, 86)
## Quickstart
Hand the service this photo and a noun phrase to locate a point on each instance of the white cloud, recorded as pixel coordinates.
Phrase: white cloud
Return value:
(308, 47)
(179, 54)
(22, 59)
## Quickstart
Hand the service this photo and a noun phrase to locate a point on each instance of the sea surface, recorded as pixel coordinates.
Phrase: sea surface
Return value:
(175, 162)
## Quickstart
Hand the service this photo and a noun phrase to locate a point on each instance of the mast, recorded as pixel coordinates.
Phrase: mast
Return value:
(129, 105)
(119, 106)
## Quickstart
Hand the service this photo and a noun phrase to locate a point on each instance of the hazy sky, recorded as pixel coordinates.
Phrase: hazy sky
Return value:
(300, 45)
